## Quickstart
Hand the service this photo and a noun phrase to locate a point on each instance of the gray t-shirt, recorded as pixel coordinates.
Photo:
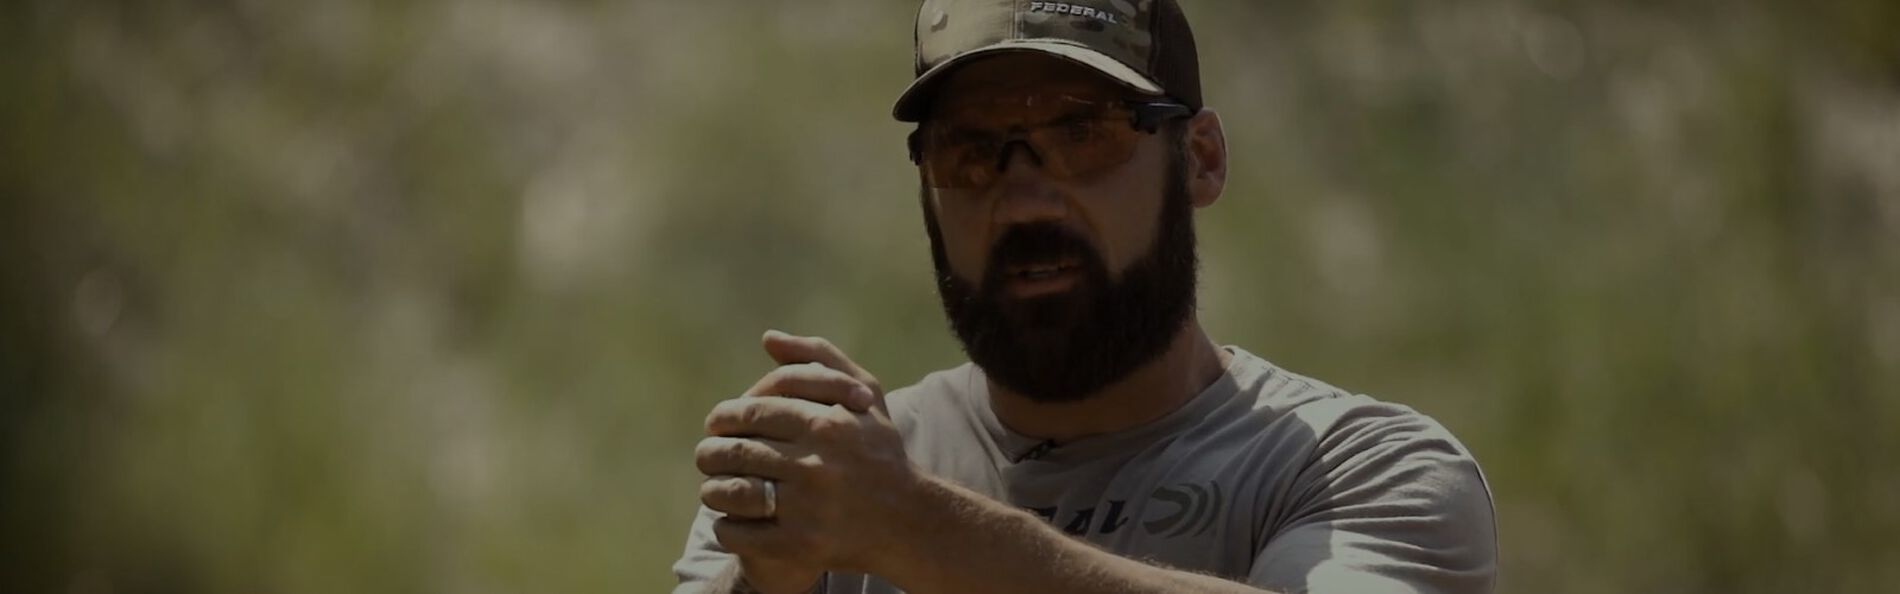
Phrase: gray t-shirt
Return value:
(1266, 477)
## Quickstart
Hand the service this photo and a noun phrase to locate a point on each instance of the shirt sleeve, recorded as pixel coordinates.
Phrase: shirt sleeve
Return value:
(703, 559)
(1389, 502)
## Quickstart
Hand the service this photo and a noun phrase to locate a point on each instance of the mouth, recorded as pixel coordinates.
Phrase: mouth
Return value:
(1042, 278)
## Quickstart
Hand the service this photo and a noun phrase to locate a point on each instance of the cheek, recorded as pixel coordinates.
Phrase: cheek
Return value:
(965, 241)
(1125, 207)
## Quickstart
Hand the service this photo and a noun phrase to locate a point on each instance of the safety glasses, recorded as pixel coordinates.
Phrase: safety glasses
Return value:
(1071, 138)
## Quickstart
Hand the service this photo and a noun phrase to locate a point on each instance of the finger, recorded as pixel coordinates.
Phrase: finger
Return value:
(787, 349)
(817, 383)
(746, 456)
(761, 538)
(740, 496)
(782, 419)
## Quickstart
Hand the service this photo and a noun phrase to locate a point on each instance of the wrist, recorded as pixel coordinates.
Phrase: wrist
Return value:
(951, 530)
(915, 528)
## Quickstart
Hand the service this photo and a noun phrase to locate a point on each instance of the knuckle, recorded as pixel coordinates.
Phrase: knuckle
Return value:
(835, 435)
(792, 379)
(841, 419)
(749, 413)
(785, 373)
(727, 532)
(722, 412)
(719, 455)
(713, 492)
(731, 496)
(735, 449)
(827, 377)
(841, 381)
(826, 427)
(793, 374)
(826, 380)
(809, 473)
(706, 456)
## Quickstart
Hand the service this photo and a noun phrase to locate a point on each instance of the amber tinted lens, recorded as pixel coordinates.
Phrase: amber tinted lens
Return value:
(1084, 148)
(959, 158)
(965, 153)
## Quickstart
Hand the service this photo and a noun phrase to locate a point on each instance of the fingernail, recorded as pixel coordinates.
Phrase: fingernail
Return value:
(863, 395)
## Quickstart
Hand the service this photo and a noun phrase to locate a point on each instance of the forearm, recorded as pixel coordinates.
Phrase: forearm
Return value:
(974, 544)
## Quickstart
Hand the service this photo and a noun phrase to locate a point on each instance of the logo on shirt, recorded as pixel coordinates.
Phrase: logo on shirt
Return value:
(1194, 507)
(1185, 509)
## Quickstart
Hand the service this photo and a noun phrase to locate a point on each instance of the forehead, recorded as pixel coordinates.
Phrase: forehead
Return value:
(1010, 76)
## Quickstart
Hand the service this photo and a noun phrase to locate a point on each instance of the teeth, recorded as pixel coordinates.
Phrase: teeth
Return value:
(1040, 271)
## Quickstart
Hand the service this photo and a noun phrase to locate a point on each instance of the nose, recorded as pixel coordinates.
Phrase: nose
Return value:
(1011, 149)
(1025, 193)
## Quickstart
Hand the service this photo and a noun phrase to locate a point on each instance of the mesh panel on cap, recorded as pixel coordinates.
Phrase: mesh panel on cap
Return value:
(1175, 64)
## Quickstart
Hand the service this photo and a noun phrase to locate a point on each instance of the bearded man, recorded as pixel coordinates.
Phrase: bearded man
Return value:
(1098, 440)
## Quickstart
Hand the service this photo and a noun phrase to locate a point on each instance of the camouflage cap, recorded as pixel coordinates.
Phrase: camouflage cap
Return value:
(1143, 44)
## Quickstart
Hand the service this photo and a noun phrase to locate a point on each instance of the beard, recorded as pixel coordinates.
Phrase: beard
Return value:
(1068, 346)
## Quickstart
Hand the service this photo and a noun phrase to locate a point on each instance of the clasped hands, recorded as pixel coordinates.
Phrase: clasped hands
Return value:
(816, 428)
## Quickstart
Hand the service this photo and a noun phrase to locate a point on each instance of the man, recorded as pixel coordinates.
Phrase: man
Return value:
(1099, 441)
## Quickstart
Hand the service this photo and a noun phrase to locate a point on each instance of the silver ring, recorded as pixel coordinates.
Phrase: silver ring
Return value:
(771, 498)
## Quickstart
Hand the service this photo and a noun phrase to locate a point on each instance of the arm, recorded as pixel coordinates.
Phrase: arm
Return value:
(1390, 503)
(969, 543)
(850, 500)
(1395, 505)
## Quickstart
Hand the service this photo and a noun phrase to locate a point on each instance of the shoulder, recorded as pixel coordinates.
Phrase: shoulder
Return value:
(1360, 450)
(1374, 482)
(1338, 420)
(1332, 448)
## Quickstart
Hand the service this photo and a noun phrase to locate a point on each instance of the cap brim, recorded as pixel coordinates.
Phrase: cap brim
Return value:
(914, 104)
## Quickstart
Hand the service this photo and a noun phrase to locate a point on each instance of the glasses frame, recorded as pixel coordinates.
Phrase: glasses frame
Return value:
(1145, 117)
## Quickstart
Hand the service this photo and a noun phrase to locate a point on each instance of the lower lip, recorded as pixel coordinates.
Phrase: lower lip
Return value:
(1032, 287)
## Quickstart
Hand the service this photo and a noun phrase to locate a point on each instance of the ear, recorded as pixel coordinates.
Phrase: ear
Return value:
(1206, 158)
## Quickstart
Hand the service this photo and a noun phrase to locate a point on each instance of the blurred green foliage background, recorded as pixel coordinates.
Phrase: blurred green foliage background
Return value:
(365, 296)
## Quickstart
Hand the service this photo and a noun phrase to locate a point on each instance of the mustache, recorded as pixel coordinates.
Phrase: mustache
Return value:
(1031, 243)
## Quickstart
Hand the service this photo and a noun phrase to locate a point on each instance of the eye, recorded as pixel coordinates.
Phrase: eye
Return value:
(962, 141)
(1077, 130)
(981, 148)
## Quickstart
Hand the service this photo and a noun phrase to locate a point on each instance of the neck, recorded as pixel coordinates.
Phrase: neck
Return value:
(1158, 387)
